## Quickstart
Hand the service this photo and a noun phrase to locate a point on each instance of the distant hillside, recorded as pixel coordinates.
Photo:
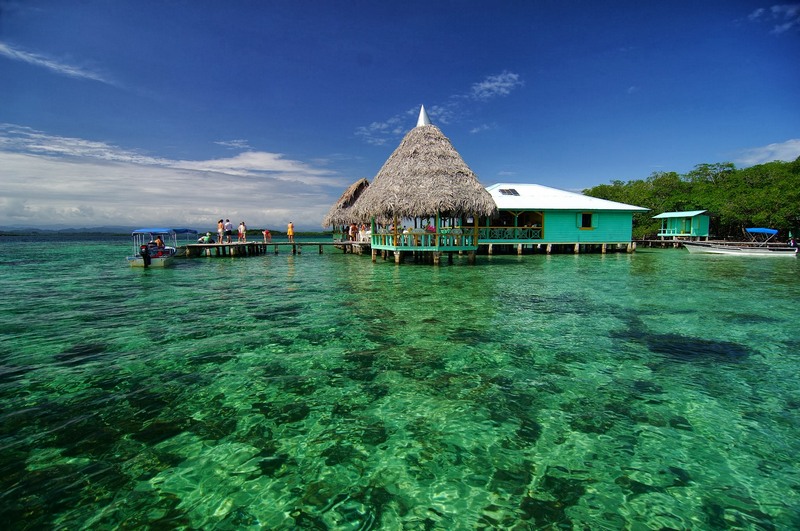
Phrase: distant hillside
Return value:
(766, 195)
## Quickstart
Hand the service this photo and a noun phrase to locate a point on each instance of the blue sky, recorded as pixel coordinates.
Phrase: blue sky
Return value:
(137, 112)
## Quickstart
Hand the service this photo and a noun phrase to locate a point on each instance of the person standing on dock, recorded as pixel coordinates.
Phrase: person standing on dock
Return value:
(242, 232)
(228, 231)
(267, 236)
(290, 232)
(220, 231)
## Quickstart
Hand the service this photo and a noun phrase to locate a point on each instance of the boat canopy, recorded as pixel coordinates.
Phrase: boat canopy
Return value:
(162, 230)
(758, 230)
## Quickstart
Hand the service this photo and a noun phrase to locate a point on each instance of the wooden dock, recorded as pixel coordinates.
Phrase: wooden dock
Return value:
(242, 249)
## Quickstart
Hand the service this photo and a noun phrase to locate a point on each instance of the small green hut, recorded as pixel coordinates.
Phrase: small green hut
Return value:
(691, 225)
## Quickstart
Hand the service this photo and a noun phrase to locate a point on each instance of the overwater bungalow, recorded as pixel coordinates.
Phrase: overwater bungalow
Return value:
(689, 225)
(341, 214)
(532, 214)
(425, 200)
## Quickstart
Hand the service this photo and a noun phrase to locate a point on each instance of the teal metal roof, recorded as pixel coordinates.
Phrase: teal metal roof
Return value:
(687, 214)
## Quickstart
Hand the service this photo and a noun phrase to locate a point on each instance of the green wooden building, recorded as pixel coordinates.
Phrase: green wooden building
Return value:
(535, 214)
(689, 225)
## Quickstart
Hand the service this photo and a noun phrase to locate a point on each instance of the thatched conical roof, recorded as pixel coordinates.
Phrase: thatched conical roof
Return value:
(424, 176)
(341, 212)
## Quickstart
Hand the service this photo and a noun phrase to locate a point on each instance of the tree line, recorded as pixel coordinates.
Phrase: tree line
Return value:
(766, 195)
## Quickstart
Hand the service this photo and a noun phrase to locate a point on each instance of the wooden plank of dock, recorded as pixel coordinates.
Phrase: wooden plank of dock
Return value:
(242, 249)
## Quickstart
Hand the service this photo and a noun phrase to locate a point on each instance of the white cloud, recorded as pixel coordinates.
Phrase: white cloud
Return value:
(61, 181)
(258, 163)
(53, 65)
(493, 86)
(783, 16)
(786, 151)
(234, 144)
(392, 129)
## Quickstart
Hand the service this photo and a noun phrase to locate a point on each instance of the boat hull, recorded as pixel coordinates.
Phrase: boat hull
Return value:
(155, 261)
(739, 250)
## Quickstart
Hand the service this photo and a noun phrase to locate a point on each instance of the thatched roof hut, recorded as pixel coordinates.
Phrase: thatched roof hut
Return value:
(425, 176)
(341, 212)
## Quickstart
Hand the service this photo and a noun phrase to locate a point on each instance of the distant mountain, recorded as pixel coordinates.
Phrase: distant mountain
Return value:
(65, 230)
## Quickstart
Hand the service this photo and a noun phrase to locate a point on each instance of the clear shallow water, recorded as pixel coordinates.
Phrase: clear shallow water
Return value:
(646, 391)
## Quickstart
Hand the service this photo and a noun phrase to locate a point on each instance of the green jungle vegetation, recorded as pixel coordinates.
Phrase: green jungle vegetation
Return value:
(766, 195)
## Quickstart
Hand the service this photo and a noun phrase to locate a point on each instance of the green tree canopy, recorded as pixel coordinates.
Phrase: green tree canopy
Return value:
(766, 195)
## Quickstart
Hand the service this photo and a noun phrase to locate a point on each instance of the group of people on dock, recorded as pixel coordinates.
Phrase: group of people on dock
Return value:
(225, 233)
(354, 233)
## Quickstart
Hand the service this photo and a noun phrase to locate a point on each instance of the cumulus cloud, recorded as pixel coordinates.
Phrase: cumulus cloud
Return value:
(784, 17)
(392, 129)
(493, 86)
(60, 181)
(54, 65)
(786, 151)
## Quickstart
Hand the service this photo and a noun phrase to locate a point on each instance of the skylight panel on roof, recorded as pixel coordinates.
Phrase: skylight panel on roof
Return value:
(508, 191)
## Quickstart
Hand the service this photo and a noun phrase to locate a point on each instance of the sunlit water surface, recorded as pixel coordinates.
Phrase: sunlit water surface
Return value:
(645, 391)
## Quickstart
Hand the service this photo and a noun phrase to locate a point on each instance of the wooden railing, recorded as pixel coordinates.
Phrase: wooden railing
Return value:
(510, 234)
(445, 238)
(675, 232)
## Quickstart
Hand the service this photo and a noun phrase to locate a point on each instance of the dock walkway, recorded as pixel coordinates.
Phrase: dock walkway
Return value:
(241, 249)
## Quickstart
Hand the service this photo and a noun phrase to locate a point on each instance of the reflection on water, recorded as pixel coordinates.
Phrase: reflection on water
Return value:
(330, 392)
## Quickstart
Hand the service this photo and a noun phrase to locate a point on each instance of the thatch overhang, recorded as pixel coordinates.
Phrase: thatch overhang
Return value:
(425, 176)
(341, 213)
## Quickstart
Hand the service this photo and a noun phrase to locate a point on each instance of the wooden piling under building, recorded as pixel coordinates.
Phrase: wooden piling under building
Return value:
(556, 248)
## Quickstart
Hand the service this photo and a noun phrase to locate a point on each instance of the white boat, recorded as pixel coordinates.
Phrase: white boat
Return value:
(757, 246)
(156, 247)
(739, 249)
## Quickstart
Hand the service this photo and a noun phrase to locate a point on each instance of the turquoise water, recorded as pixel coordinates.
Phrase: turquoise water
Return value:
(656, 390)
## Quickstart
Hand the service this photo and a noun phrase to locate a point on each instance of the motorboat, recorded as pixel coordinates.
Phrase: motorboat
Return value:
(739, 249)
(759, 245)
(155, 247)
